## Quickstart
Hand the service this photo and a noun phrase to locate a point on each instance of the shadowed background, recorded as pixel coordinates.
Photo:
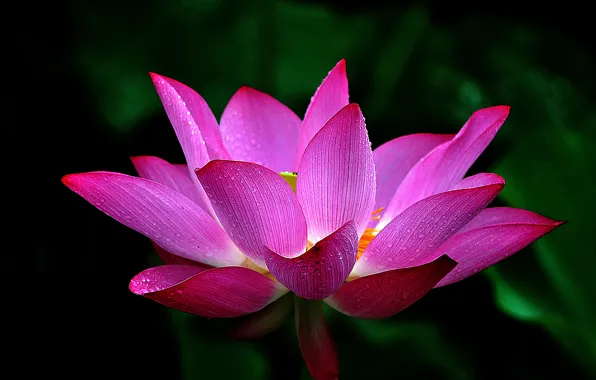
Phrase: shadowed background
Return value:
(412, 67)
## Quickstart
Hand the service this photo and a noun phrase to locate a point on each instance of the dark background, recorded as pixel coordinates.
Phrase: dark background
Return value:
(83, 101)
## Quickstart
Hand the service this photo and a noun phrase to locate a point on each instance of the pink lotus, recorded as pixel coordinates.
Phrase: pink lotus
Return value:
(369, 232)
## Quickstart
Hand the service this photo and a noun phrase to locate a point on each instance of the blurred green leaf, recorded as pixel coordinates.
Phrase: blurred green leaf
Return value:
(550, 169)
(269, 46)
(409, 347)
(205, 356)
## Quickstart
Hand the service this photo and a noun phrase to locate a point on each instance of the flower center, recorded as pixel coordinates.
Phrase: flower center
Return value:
(290, 178)
(369, 233)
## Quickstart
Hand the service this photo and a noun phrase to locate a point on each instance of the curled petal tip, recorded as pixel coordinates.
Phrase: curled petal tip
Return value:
(66, 179)
(155, 77)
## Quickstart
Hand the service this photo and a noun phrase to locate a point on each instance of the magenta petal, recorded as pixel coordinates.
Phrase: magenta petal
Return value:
(171, 220)
(315, 340)
(217, 293)
(416, 233)
(395, 158)
(330, 97)
(387, 293)
(336, 178)
(322, 270)
(258, 128)
(256, 207)
(175, 177)
(193, 121)
(447, 164)
(495, 234)
(478, 180)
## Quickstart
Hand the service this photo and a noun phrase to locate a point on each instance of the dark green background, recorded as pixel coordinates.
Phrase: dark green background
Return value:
(84, 101)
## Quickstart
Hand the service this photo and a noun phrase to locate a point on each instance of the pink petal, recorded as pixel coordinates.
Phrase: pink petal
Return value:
(258, 128)
(217, 293)
(256, 207)
(395, 158)
(171, 220)
(336, 178)
(330, 97)
(315, 340)
(322, 270)
(506, 215)
(170, 258)
(495, 234)
(415, 233)
(478, 180)
(266, 320)
(387, 293)
(173, 176)
(193, 121)
(194, 124)
(447, 164)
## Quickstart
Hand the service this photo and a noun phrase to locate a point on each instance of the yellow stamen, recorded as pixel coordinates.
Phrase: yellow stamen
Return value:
(290, 178)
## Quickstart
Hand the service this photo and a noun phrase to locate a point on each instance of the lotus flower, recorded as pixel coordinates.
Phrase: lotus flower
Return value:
(368, 232)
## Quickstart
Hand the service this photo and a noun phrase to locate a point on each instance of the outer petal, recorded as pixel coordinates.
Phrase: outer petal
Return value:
(495, 234)
(194, 124)
(171, 220)
(256, 207)
(447, 164)
(173, 176)
(316, 343)
(336, 178)
(258, 128)
(330, 97)
(193, 121)
(217, 293)
(384, 294)
(266, 320)
(395, 158)
(415, 233)
(322, 270)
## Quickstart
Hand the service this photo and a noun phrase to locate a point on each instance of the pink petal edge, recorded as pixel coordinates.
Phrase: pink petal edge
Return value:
(384, 294)
(195, 125)
(258, 128)
(447, 164)
(493, 235)
(395, 158)
(216, 293)
(336, 181)
(256, 207)
(165, 216)
(320, 271)
(330, 97)
(159, 170)
(414, 234)
(192, 119)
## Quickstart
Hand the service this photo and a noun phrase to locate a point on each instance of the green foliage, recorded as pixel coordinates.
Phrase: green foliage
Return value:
(204, 355)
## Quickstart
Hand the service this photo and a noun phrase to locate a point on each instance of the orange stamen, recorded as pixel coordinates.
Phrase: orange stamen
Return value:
(369, 234)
